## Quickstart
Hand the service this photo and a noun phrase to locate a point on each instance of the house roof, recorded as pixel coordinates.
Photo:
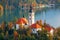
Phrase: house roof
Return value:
(35, 26)
(49, 28)
(22, 21)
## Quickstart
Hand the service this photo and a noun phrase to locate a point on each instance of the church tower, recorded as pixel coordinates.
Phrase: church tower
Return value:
(31, 15)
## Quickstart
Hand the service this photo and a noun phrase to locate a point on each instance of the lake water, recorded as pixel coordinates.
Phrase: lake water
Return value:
(51, 15)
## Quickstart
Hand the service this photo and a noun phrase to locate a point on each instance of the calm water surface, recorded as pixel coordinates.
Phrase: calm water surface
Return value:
(51, 15)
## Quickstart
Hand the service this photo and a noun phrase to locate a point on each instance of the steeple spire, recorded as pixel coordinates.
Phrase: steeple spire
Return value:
(30, 9)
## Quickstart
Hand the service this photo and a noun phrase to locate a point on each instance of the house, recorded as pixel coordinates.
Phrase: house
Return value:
(35, 27)
(49, 29)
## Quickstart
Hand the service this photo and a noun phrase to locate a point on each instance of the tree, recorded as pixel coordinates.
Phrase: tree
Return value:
(1, 36)
(58, 32)
(42, 35)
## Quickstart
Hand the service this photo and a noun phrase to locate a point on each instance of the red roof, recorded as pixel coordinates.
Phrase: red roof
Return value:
(22, 21)
(35, 26)
(48, 28)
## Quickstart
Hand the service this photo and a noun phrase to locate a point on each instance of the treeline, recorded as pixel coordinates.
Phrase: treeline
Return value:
(9, 32)
(31, 1)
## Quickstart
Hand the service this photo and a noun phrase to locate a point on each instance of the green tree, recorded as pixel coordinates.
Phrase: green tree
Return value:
(1, 36)
(42, 35)
(58, 32)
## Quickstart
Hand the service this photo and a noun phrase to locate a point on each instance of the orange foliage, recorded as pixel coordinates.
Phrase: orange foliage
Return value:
(10, 24)
(15, 34)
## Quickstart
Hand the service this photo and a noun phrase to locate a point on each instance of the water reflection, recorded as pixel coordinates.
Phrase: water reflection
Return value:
(51, 15)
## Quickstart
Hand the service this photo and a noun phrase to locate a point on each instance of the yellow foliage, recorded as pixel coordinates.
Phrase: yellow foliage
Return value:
(41, 23)
(1, 10)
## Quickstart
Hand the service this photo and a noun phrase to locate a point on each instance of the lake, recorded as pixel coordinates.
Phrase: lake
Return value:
(51, 15)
